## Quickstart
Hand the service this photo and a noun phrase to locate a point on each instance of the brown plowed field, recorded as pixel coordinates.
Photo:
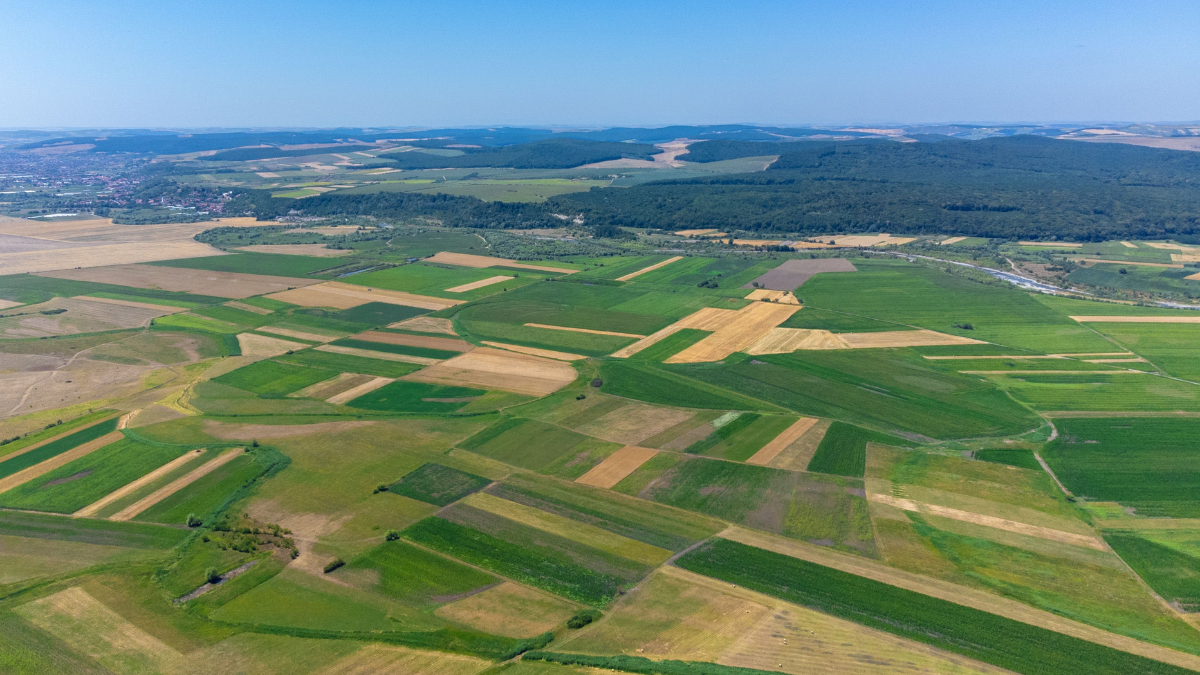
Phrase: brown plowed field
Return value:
(81, 316)
(480, 261)
(202, 282)
(791, 274)
(429, 342)
(426, 324)
(133, 303)
(489, 368)
(790, 435)
(617, 466)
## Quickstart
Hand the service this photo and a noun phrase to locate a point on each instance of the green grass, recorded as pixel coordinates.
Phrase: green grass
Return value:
(1173, 347)
(1022, 457)
(672, 529)
(672, 345)
(379, 313)
(979, 635)
(244, 319)
(644, 382)
(52, 431)
(1137, 278)
(27, 650)
(403, 396)
(889, 389)
(206, 495)
(838, 322)
(439, 485)
(416, 576)
(556, 574)
(63, 528)
(343, 363)
(258, 263)
(1173, 575)
(1101, 391)
(543, 338)
(273, 378)
(423, 352)
(902, 292)
(196, 322)
(843, 450)
(529, 444)
(824, 509)
(53, 449)
(81, 482)
(1146, 463)
(432, 279)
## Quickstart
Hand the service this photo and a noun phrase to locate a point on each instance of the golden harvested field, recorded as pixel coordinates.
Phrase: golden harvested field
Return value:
(955, 593)
(427, 341)
(768, 295)
(203, 282)
(709, 319)
(757, 242)
(694, 233)
(478, 284)
(480, 261)
(633, 423)
(904, 338)
(510, 610)
(585, 330)
(747, 326)
(5, 304)
(344, 296)
(372, 354)
(1137, 319)
(651, 268)
(82, 315)
(951, 240)
(534, 351)
(318, 250)
(339, 383)
(426, 324)
(94, 507)
(42, 468)
(771, 450)
(1193, 277)
(990, 521)
(489, 368)
(261, 346)
(359, 390)
(864, 240)
(617, 466)
(133, 303)
(787, 340)
(797, 454)
(176, 485)
(89, 627)
(380, 659)
(1056, 244)
(298, 334)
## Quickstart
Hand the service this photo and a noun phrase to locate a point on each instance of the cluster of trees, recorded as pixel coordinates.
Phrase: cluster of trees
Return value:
(1023, 186)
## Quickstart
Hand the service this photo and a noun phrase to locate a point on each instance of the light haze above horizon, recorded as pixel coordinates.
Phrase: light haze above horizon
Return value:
(362, 63)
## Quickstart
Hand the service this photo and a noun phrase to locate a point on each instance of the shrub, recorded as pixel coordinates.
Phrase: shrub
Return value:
(583, 618)
(211, 576)
(193, 521)
(392, 535)
(333, 565)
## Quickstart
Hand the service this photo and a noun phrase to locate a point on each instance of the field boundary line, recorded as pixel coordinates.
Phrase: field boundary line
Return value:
(364, 388)
(785, 438)
(584, 330)
(131, 511)
(990, 521)
(124, 490)
(463, 288)
(535, 351)
(42, 468)
(651, 268)
(959, 595)
(52, 439)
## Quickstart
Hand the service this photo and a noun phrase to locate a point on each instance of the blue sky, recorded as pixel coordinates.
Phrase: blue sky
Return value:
(408, 62)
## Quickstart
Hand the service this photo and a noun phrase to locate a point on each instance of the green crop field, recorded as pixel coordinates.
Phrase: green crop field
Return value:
(379, 313)
(843, 450)
(417, 576)
(204, 496)
(13, 464)
(1101, 391)
(301, 266)
(342, 363)
(1021, 457)
(273, 378)
(962, 630)
(839, 322)
(437, 484)
(103, 532)
(525, 443)
(1173, 575)
(395, 349)
(1147, 463)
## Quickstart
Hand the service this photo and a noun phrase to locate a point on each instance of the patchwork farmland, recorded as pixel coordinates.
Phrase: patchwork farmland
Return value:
(279, 457)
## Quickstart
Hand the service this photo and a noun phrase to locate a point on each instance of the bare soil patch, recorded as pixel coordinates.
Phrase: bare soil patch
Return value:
(1128, 244)
(248, 308)
(904, 338)
(1129, 263)
(651, 268)
(797, 454)
(951, 240)
(426, 324)
(379, 659)
(66, 316)
(133, 303)
(510, 610)
(323, 390)
(426, 341)
(864, 240)
(617, 466)
(791, 274)
(469, 260)
(203, 282)
(771, 450)
(478, 284)
(261, 346)
(496, 369)
(534, 351)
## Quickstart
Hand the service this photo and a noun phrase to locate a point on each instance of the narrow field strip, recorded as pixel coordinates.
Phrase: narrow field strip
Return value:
(1119, 413)
(132, 303)
(751, 323)
(989, 521)
(651, 268)
(355, 392)
(371, 354)
(1004, 356)
(617, 466)
(339, 382)
(709, 319)
(488, 368)
(534, 351)
(574, 530)
(25, 475)
(131, 511)
(1079, 355)
(423, 341)
(585, 330)
(1128, 244)
(959, 595)
(248, 308)
(1056, 244)
(768, 295)
(53, 439)
(1137, 319)
(265, 347)
(344, 296)
(951, 240)
(481, 261)
(1133, 264)
(95, 507)
(790, 435)
(1059, 372)
(298, 334)
(478, 284)
(425, 324)
(1136, 360)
